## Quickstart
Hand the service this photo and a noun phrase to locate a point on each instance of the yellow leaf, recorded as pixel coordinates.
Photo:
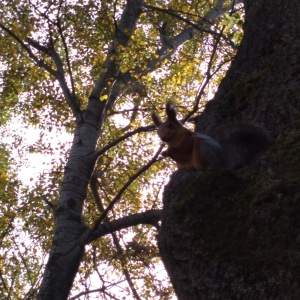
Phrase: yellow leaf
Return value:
(103, 97)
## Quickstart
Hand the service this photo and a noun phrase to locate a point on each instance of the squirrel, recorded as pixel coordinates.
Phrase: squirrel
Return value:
(235, 145)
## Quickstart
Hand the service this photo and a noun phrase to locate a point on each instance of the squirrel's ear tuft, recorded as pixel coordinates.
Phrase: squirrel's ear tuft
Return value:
(155, 118)
(171, 111)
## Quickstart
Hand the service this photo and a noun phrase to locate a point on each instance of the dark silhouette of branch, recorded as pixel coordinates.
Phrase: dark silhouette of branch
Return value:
(39, 62)
(67, 58)
(168, 47)
(44, 13)
(201, 26)
(123, 32)
(124, 188)
(101, 290)
(150, 217)
(207, 79)
(122, 259)
(124, 137)
(119, 248)
(124, 266)
(58, 74)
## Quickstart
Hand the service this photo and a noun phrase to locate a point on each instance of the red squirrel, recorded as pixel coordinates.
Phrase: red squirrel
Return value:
(236, 146)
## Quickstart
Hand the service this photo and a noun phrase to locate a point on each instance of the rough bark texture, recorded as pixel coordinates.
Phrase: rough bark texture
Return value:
(235, 234)
(262, 85)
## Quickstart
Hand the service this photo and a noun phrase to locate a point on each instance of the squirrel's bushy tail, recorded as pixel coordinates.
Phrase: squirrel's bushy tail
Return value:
(241, 143)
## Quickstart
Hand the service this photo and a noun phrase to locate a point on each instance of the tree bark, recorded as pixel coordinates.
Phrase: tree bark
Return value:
(70, 233)
(70, 230)
(235, 234)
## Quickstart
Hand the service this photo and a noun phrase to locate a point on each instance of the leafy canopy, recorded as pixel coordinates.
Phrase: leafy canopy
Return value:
(81, 33)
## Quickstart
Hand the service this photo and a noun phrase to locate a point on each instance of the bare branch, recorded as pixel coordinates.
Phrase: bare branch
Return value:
(43, 14)
(122, 259)
(202, 26)
(164, 39)
(123, 32)
(148, 217)
(70, 98)
(90, 291)
(125, 186)
(38, 46)
(50, 204)
(58, 74)
(39, 62)
(209, 75)
(67, 58)
(206, 80)
(151, 217)
(186, 34)
(4, 282)
(124, 137)
(169, 46)
(123, 262)
(93, 185)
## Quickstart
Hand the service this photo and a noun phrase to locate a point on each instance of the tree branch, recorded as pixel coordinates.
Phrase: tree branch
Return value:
(122, 259)
(39, 62)
(124, 188)
(67, 58)
(186, 34)
(202, 26)
(151, 217)
(58, 74)
(169, 46)
(123, 33)
(208, 76)
(124, 137)
(123, 262)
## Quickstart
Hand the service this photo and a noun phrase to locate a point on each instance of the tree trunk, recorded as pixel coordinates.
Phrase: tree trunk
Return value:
(235, 234)
(70, 231)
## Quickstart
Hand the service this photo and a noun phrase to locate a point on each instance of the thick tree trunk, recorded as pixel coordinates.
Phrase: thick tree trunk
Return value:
(70, 231)
(235, 234)
(70, 234)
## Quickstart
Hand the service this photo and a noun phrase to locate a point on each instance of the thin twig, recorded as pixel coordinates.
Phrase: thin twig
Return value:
(124, 137)
(119, 248)
(200, 27)
(39, 62)
(124, 188)
(207, 77)
(67, 58)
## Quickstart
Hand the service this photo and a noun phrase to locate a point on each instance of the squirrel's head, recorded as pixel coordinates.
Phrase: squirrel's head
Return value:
(171, 129)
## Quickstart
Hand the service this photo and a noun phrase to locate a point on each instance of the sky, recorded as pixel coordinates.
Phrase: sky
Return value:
(31, 163)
